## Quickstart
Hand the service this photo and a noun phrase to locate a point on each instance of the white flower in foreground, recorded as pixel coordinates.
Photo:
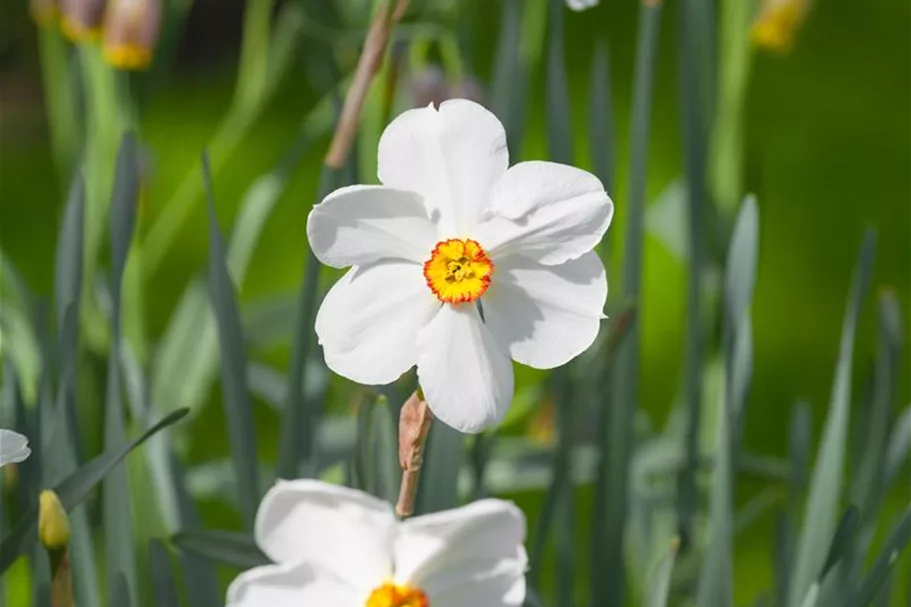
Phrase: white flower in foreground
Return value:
(339, 547)
(459, 264)
(581, 5)
(13, 447)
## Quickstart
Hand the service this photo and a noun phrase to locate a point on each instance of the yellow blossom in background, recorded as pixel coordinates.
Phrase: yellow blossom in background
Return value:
(53, 522)
(541, 428)
(778, 23)
(80, 20)
(131, 30)
(43, 12)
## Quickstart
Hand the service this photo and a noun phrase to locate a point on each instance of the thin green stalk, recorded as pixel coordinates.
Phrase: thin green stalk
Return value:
(252, 71)
(694, 158)
(612, 592)
(726, 170)
(60, 97)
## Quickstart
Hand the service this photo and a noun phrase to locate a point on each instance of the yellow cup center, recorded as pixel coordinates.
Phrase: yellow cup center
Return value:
(458, 271)
(391, 595)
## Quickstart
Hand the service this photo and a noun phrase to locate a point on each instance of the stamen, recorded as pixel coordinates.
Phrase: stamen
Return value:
(458, 271)
(391, 595)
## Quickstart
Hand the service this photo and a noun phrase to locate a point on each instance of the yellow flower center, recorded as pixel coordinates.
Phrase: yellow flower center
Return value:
(458, 271)
(390, 595)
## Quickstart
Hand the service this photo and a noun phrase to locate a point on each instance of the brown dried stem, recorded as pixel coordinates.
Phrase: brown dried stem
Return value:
(414, 426)
(367, 66)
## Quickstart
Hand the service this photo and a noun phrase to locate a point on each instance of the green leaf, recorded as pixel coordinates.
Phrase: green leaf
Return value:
(899, 446)
(612, 590)
(163, 576)
(299, 422)
(898, 540)
(376, 451)
(559, 120)
(841, 542)
(601, 116)
(237, 406)
(659, 588)
(187, 358)
(869, 487)
(826, 480)
(123, 211)
(68, 262)
(121, 594)
(229, 547)
(19, 344)
(438, 487)
(508, 97)
(120, 548)
(73, 490)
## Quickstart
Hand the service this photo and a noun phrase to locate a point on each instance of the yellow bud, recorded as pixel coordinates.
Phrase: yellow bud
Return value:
(130, 32)
(53, 522)
(80, 20)
(778, 23)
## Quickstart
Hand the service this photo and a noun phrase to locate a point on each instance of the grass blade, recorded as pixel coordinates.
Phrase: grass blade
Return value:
(120, 549)
(163, 576)
(377, 451)
(559, 120)
(899, 446)
(120, 595)
(231, 548)
(511, 74)
(659, 589)
(299, 422)
(187, 359)
(826, 481)
(236, 398)
(868, 488)
(438, 488)
(73, 490)
(601, 119)
(898, 540)
(612, 590)
(68, 262)
(844, 536)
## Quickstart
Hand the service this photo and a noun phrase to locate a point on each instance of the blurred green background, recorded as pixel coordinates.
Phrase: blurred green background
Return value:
(828, 153)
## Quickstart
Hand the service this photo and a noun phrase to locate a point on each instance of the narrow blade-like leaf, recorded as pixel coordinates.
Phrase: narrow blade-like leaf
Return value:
(231, 548)
(235, 396)
(163, 576)
(826, 481)
(612, 590)
(73, 490)
(659, 588)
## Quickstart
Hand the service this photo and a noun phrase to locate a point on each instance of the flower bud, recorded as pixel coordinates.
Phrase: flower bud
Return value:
(130, 32)
(778, 23)
(80, 20)
(53, 522)
(43, 12)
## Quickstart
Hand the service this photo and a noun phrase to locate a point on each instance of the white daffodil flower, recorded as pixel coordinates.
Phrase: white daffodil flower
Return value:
(460, 263)
(13, 447)
(581, 5)
(340, 547)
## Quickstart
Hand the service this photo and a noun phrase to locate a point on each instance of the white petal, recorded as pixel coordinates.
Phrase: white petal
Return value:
(360, 224)
(547, 211)
(452, 157)
(344, 532)
(546, 315)
(466, 378)
(369, 321)
(483, 582)
(13, 447)
(431, 550)
(290, 585)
